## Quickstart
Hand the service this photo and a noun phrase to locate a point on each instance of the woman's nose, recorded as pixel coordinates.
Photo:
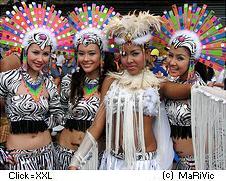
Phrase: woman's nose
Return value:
(172, 61)
(129, 59)
(86, 57)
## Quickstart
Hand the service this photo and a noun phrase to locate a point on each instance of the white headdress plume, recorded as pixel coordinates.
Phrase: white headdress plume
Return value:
(133, 28)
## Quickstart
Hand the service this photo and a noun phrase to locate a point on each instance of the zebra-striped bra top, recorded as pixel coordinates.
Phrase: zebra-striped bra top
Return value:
(24, 113)
(179, 112)
(78, 117)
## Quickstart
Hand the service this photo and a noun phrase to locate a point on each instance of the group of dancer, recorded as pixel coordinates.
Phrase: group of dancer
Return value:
(111, 120)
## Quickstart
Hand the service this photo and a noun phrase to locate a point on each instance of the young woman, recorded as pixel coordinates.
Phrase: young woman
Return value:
(80, 92)
(179, 112)
(137, 131)
(189, 43)
(31, 97)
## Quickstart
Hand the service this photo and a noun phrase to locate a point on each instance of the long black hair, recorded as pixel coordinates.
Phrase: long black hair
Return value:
(202, 70)
(78, 78)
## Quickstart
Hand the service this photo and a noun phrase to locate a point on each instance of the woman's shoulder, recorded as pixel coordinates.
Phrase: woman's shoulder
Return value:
(108, 81)
(106, 85)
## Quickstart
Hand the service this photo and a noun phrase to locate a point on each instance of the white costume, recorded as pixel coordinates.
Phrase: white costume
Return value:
(128, 96)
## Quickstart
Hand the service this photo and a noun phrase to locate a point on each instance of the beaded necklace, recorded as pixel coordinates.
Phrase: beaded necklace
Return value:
(90, 87)
(35, 89)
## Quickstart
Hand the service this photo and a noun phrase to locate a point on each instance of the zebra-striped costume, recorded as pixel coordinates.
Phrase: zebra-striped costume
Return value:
(28, 116)
(179, 115)
(79, 117)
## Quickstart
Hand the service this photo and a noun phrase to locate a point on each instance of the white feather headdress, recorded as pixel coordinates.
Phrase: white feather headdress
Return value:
(132, 28)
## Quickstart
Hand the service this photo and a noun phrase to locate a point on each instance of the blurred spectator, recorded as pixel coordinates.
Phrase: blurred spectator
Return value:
(157, 64)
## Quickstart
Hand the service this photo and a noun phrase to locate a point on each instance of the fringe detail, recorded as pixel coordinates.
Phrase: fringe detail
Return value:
(81, 125)
(180, 131)
(27, 126)
(125, 120)
(128, 131)
(109, 127)
(209, 127)
(141, 125)
(118, 123)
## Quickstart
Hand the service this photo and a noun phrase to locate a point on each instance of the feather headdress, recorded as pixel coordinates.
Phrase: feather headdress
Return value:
(88, 23)
(36, 23)
(196, 28)
(133, 28)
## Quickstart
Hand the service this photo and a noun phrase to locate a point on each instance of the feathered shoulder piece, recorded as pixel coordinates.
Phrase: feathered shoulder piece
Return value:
(133, 28)
(125, 80)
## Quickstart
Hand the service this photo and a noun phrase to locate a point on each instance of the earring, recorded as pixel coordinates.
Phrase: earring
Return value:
(77, 69)
(24, 61)
(101, 66)
(191, 70)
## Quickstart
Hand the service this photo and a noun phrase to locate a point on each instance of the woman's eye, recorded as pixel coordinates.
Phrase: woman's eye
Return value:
(92, 54)
(46, 54)
(180, 58)
(36, 53)
(135, 54)
(80, 53)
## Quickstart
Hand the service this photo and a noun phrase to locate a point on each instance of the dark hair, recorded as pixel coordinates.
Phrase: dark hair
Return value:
(78, 78)
(202, 70)
(210, 73)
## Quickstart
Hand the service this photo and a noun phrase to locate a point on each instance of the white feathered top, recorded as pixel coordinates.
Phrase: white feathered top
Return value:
(128, 99)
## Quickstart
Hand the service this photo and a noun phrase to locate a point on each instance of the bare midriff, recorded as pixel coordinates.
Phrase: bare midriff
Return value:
(183, 147)
(28, 141)
(71, 139)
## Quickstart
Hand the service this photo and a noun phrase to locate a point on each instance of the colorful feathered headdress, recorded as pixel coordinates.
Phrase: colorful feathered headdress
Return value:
(88, 23)
(36, 23)
(197, 29)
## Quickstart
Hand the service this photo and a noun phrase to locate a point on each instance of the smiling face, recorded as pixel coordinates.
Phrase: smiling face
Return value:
(178, 62)
(132, 59)
(37, 58)
(89, 58)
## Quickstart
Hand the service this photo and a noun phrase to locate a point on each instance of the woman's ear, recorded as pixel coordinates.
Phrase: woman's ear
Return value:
(147, 54)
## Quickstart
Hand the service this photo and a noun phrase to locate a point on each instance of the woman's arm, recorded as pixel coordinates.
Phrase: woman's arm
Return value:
(175, 91)
(10, 62)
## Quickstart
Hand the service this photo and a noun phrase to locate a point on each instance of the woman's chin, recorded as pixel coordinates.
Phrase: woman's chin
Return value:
(133, 72)
(174, 74)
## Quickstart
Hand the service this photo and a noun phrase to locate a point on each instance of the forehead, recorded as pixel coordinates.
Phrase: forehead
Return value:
(179, 50)
(131, 47)
(89, 47)
(37, 47)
